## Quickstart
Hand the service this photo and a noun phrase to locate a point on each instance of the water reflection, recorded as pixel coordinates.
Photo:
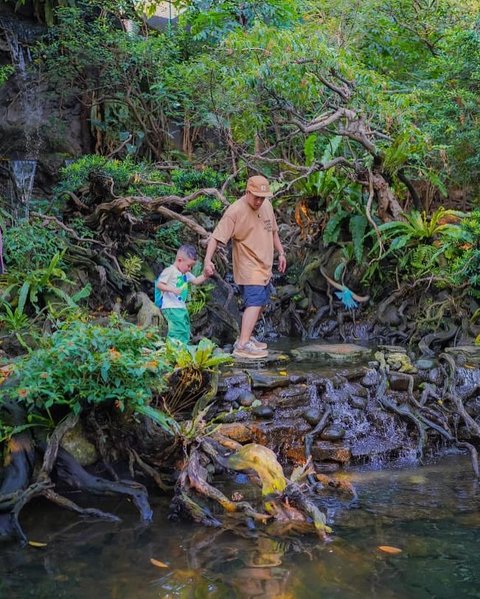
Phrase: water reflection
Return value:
(432, 514)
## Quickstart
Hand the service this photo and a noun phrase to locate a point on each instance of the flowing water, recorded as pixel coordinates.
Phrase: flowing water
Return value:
(431, 513)
(23, 175)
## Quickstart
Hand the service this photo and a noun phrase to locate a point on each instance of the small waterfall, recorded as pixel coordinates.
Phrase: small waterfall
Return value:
(22, 176)
(28, 100)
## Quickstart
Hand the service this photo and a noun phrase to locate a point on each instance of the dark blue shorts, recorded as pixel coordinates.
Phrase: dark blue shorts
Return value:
(256, 295)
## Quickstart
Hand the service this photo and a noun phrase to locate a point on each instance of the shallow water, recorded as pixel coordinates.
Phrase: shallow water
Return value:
(432, 514)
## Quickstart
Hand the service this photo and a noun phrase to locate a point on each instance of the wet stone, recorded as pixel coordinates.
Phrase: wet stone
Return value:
(327, 450)
(233, 393)
(425, 364)
(312, 416)
(297, 378)
(398, 382)
(340, 352)
(274, 358)
(371, 378)
(266, 380)
(333, 433)
(327, 467)
(75, 442)
(238, 416)
(246, 398)
(359, 403)
(263, 411)
(236, 431)
(394, 349)
(359, 390)
(401, 362)
(231, 379)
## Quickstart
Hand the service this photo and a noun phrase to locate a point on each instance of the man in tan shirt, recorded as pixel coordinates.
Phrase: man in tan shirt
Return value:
(251, 225)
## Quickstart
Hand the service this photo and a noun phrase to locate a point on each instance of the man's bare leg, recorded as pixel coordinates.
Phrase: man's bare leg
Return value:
(249, 320)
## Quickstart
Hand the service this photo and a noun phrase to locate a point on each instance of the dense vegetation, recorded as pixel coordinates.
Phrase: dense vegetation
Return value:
(364, 116)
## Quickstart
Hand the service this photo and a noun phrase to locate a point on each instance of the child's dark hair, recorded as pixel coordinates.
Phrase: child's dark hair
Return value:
(188, 250)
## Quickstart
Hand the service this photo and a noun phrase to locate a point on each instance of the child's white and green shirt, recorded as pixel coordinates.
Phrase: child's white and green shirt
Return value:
(172, 277)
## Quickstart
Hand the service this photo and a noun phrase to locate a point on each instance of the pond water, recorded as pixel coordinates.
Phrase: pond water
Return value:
(431, 513)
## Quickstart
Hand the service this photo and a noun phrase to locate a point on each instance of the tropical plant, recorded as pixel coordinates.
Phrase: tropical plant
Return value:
(39, 287)
(31, 245)
(88, 364)
(418, 227)
(193, 382)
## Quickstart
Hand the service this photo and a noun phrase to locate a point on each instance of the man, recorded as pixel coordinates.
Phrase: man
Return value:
(250, 224)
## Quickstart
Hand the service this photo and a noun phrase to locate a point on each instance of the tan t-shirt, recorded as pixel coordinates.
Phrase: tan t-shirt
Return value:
(251, 232)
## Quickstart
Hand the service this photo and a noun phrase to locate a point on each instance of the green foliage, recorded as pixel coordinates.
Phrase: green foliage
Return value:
(32, 245)
(186, 181)
(120, 367)
(5, 72)
(124, 75)
(418, 227)
(87, 364)
(463, 253)
(212, 20)
(322, 184)
(132, 267)
(200, 295)
(163, 247)
(75, 175)
(420, 246)
(39, 287)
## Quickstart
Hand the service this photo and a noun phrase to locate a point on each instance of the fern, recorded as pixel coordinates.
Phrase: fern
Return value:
(357, 226)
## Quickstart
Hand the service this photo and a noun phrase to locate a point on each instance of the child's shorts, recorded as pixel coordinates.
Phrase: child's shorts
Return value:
(178, 324)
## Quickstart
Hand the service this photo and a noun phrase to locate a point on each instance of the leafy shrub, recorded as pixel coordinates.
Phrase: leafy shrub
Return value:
(75, 175)
(31, 245)
(187, 181)
(463, 253)
(163, 247)
(120, 366)
(88, 364)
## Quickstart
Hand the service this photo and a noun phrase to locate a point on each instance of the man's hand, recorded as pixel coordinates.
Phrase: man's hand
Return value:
(208, 268)
(282, 263)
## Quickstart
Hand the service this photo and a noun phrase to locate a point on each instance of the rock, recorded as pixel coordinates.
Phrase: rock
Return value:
(371, 378)
(297, 378)
(274, 358)
(401, 362)
(312, 416)
(237, 416)
(326, 450)
(435, 376)
(340, 352)
(393, 349)
(425, 363)
(263, 411)
(237, 431)
(267, 380)
(233, 379)
(75, 442)
(359, 403)
(398, 382)
(359, 391)
(327, 467)
(246, 398)
(333, 433)
(471, 352)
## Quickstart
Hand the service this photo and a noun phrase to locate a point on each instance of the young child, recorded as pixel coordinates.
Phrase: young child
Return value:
(171, 292)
